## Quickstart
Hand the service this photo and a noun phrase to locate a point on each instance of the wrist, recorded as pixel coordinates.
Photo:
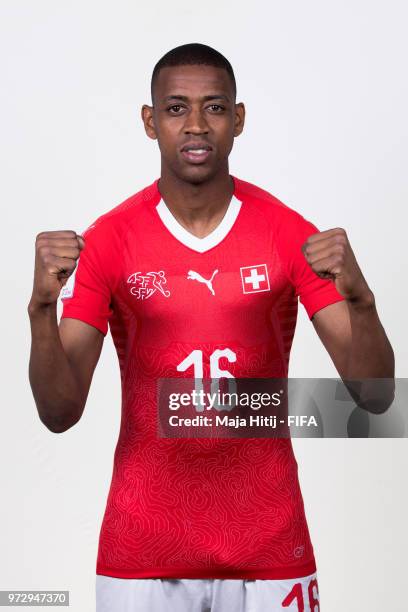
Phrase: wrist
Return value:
(364, 301)
(35, 308)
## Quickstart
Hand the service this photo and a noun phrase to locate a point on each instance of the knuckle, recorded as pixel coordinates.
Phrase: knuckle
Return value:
(43, 250)
(340, 239)
(40, 240)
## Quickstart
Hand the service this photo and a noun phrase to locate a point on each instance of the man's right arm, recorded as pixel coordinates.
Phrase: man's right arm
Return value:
(63, 358)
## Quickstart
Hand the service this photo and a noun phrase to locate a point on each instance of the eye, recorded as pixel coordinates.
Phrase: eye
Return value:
(174, 109)
(216, 108)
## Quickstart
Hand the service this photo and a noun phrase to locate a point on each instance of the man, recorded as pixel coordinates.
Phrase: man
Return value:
(198, 274)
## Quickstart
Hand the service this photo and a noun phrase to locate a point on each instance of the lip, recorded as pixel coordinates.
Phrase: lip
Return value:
(187, 151)
(196, 158)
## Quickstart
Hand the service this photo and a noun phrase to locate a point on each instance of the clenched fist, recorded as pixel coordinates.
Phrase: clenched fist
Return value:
(56, 255)
(330, 255)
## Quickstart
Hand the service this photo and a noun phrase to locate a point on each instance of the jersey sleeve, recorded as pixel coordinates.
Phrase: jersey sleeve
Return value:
(86, 295)
(314, 292)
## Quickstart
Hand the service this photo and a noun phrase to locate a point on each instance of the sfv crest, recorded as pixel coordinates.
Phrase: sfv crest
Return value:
(145, 285)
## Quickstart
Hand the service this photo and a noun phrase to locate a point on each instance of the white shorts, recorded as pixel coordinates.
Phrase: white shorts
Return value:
(206, 595)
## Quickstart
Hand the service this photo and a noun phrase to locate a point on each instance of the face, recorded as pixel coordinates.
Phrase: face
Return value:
(195, 120)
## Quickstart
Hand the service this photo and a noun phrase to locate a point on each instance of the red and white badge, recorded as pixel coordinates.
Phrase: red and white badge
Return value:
(255, 278)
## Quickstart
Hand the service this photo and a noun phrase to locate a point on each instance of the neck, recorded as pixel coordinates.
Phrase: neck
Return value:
(202, 202)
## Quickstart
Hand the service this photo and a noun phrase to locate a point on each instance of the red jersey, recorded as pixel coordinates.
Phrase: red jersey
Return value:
(198, 508)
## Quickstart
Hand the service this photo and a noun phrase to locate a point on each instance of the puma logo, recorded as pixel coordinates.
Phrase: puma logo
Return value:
(196, 276)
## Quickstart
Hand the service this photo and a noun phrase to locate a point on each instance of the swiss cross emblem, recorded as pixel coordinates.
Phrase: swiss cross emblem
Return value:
(145, 285)
(255, 278)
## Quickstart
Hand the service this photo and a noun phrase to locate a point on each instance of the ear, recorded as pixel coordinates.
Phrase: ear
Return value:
(148, 120)
(239, 118)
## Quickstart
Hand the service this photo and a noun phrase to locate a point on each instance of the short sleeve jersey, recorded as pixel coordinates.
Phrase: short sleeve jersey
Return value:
(198, 508)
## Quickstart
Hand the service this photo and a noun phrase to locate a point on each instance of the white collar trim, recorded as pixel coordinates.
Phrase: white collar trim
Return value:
(193, 242)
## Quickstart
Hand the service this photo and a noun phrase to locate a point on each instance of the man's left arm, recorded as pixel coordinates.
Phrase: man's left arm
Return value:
(350, 330)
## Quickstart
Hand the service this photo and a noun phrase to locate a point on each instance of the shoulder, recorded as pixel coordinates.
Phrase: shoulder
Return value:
(115, 222)
(282, 217)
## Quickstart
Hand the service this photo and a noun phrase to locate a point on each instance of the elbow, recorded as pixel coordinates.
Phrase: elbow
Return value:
(375, 396)
(58, 428)
(59, 423)
(376, 406)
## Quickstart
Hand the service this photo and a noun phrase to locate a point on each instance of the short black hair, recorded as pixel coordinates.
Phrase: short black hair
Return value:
(192, 54)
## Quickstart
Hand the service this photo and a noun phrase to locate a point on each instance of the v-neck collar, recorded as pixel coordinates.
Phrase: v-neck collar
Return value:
(201, 245)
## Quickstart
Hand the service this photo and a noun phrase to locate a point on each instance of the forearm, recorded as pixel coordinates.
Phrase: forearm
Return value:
(370, 372)
(371, 354)
(55, 389)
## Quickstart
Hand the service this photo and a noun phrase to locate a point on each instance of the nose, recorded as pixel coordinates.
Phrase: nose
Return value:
(195, 123)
